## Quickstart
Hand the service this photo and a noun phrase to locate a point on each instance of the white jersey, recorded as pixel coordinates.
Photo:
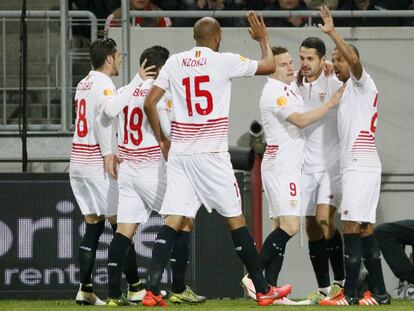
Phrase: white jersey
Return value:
(138, 147)
(357, 123)
(321, 137)
(200, 85)
(86, 159)
(284, 140)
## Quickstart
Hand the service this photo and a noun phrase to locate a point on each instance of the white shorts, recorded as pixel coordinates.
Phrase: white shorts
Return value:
(141, 193)
(205, 178)
(283, 192)
(96, 195)
(361, 191)
(321, 188)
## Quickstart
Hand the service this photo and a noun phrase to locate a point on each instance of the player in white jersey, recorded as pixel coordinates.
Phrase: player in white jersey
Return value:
(199, 168)
(95, 191)
(361, 171)
(283, 117)
(142, 184)
(321, 175)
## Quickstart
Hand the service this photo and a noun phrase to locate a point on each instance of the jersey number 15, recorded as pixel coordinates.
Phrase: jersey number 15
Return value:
(198, 92)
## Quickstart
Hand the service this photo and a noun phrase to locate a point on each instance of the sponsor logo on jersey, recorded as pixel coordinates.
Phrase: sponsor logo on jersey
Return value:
(243, 59)
(281, 101)
(197, 54)
(293, 203)
(108, 92)
(84, 85)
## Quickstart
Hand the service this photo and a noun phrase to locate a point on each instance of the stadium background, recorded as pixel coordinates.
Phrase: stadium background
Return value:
(30, 202)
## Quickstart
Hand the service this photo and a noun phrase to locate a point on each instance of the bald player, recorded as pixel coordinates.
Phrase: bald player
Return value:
(199, 167)
(361, 172)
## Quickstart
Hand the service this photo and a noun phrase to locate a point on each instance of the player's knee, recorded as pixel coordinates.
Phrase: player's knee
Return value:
(127, 230)
(187, 225)
(351, 227)
(366, 229)
(174, 221)
(294, 227)
(235, 223)
(323, 222)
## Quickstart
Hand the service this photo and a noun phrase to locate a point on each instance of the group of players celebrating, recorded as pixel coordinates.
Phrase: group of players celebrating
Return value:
(320, 133)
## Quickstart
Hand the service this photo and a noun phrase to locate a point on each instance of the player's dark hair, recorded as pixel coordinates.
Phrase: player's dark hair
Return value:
(277, 50)
(100, 50)
(156, 55)
(353, 47)
(315, 43)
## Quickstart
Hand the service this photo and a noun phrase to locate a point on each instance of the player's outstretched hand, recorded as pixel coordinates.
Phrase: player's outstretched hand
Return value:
(328, 26)
(257, 30)
(336, 97)
(145, 72)
(111, 162)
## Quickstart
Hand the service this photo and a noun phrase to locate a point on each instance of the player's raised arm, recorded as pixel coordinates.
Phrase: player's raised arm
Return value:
(258, 32)
(113, 105)
(346, 50)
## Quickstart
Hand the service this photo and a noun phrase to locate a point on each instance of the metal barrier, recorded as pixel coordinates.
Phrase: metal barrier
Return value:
(52, 85)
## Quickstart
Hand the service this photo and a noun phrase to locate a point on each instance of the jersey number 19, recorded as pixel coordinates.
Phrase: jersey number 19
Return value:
(134, 124)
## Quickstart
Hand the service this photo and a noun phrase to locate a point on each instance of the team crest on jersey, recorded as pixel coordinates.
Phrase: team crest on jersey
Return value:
(169, 104)
(107, 92)
(322, 96)
(197, 54)
(281, 101)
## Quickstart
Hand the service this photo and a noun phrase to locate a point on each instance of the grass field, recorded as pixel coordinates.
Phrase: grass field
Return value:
(46, 305)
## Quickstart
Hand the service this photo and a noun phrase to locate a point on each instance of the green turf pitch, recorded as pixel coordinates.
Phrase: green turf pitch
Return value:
(222, 305)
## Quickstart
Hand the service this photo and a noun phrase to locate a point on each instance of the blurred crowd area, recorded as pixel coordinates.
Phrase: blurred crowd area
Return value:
(110, 11)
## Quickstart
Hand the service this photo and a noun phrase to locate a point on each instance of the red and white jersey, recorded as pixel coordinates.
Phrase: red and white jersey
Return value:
(321, 137)
(86, 159)
(284, 140)
(357, 123)
(200, 84)
(138, 147)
